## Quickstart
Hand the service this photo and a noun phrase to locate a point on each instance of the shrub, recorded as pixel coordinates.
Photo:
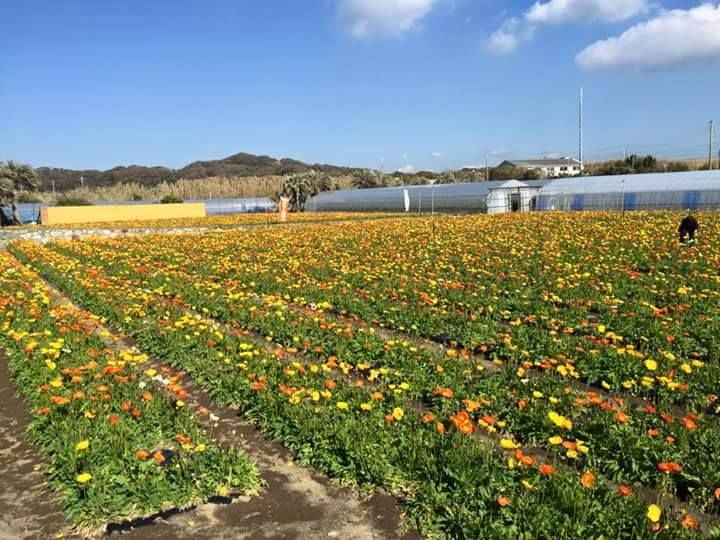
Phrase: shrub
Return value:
(171, 199)
(72, 201)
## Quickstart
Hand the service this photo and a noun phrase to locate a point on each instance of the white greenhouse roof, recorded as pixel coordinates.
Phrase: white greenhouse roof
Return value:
(510, 184)
(634, 183)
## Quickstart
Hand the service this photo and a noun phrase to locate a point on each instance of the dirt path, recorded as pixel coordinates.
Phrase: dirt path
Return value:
(296, 503)
(29, 509)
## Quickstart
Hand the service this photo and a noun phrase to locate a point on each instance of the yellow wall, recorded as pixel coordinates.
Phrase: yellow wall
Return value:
(59, 215)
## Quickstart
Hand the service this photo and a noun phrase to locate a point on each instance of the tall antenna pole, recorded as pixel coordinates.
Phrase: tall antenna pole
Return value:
(580, 139)
(710, 148)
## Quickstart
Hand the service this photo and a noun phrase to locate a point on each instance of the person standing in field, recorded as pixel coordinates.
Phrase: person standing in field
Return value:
(688, 227)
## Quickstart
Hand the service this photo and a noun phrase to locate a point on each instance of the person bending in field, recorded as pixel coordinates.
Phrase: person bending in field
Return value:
(688, 227)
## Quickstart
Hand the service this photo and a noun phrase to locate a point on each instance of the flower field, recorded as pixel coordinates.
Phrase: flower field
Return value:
(223, 221)
(525, 376)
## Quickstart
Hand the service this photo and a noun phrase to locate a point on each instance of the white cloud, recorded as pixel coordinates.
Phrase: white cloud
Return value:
(564, 11)
(368, 18)
(437, 154)
(516, 30)
(406, 169)
(670, 39)
(511, 33)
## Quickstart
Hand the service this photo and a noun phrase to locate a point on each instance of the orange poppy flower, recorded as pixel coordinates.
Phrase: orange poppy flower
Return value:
(147, 396)
(462, 422)
(653, 432)
(440, 428)
(157, 456)
(46, 410)
(668, 467)
(443, 392)
(183, 439)
(136, 413)
(587, 479)
(141, 455)
(330, 385)
(690, 522)
(621, 417)
(546, 469)
(503, 501)
(625, 491)
(717, 493)
(114, 420)
(427, 418)
(59, 400)
(528, 461)
(126, 405)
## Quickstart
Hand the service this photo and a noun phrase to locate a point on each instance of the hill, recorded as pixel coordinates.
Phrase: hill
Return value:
(235, 166)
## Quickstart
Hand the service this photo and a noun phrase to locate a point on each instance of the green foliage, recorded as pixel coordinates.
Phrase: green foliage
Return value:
(171, 199)
(25, 197)
(72, 201)
(300, 187)
(632, 164)
(366, 179)
(506, 172)
(677, 166)
(15, 177)
(446, 177)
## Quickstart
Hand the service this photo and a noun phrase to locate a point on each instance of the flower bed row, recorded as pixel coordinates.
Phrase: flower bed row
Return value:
(116, 449)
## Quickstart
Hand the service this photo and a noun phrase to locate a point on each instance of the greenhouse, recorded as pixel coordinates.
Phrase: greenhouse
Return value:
(684, 190)
(250, 205)
(498, 196)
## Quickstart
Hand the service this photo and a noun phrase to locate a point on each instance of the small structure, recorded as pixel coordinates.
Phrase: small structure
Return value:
(512, 196)
(548, 168)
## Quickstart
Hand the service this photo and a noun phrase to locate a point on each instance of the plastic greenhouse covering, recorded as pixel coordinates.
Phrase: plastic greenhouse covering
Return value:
(685, 190)
(215, 207)
(470, 197)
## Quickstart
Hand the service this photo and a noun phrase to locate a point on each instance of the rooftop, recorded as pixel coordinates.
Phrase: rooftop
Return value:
(558, 162)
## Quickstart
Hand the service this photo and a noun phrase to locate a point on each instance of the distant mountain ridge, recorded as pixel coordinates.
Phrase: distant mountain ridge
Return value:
(237, 165)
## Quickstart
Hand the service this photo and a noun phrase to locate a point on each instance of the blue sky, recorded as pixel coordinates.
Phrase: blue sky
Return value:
(424, 84)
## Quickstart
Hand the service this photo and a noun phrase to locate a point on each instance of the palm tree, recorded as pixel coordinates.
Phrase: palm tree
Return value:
(446, 177)
(15, 177)
(297, 188)
(365, 179)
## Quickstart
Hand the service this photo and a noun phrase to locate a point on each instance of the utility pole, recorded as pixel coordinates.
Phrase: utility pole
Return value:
(710, 148)
(580, 137)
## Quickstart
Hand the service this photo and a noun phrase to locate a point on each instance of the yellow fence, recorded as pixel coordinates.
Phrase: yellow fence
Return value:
(61, 215)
